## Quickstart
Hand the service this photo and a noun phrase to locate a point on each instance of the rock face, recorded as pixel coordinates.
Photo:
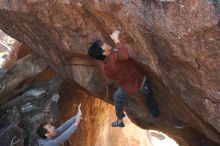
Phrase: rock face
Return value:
(37, 104)
(11, 136)
(175, 42)
(19, 51)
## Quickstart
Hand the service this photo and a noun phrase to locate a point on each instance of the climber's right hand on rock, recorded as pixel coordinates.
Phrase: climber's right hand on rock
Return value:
(115, 36)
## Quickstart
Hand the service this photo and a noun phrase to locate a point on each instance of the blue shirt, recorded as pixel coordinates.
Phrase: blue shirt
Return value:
(63, 133)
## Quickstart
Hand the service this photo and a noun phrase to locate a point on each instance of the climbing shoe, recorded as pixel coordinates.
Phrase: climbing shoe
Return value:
(118, 124)
(179, 124)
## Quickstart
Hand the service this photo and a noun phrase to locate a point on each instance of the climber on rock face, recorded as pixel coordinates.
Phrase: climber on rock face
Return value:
(117, 65)
(49, 136)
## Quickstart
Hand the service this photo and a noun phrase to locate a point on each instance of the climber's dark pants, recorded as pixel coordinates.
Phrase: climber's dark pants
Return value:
(120, 96)
(149, 100)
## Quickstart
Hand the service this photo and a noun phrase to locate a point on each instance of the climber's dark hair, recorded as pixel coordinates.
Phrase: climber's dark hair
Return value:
(41, 131)
(95, 50)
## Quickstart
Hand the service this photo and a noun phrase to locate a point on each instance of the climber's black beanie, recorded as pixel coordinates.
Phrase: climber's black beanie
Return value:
(95, 51)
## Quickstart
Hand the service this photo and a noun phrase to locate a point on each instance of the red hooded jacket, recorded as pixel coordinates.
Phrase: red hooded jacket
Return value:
(119, 67)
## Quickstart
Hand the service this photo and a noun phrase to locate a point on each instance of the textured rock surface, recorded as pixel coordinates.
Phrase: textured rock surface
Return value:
(19, 51)
(11, 136)
(37, 104)
(13, 82)
(175, 42)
